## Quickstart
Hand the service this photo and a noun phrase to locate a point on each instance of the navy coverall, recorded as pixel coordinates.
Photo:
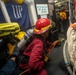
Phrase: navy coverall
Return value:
(8, 68)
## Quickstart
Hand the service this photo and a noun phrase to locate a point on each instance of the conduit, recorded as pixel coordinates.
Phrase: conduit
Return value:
(4, 11)
(32, 11)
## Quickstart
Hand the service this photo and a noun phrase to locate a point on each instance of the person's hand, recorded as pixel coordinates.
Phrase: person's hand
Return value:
(13, 58)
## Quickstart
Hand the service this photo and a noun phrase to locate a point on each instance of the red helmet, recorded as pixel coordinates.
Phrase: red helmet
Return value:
(42, 25)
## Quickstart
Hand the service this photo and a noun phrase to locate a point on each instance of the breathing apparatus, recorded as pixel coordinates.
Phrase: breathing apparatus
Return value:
(24, 40)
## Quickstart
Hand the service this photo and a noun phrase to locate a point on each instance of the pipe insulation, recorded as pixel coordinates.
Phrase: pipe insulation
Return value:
(32, 11)
(4, 11)
(65, 58)
(70, 48)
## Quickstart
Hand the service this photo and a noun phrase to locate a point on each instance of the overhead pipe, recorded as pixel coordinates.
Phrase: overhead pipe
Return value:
(4, 11)
(32, 11)
(70, 13)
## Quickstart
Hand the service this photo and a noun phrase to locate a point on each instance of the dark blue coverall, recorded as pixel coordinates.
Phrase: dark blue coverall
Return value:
(8, 68)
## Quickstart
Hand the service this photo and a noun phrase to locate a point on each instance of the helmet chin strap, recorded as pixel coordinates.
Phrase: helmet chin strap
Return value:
(45, 34)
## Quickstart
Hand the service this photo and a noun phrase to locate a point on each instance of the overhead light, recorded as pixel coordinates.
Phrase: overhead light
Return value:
(55, 1)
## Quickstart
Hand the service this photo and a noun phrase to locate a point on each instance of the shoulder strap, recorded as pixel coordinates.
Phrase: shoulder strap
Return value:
(45, 47)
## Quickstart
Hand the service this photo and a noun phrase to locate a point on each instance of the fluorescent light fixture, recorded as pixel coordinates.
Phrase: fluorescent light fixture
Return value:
(55, 1)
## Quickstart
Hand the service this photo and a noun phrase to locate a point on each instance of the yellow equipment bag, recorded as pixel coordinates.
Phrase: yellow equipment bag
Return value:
(20, 35)
(9, 29)
(11, 47)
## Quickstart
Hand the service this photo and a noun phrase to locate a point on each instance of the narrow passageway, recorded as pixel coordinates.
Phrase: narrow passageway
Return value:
(53, 67)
